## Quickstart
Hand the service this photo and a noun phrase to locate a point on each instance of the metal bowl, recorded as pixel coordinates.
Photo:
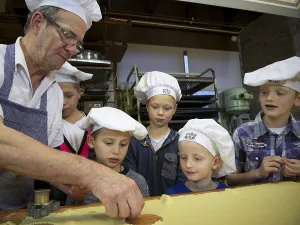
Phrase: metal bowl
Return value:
(89, 55)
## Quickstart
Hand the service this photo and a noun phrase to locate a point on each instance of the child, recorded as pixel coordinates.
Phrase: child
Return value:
(75, 139)
(156, 156)
(205, 150)
(111, 132)
(268, 149)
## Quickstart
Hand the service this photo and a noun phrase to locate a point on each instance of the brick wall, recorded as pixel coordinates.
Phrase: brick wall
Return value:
(268, 39)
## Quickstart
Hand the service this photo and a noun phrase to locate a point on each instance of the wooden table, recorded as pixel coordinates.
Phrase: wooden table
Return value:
(16, 216)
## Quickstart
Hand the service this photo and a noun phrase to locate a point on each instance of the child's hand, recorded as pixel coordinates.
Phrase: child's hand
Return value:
(78, 193)
(291, 167)
(63, 187)
(270, 164)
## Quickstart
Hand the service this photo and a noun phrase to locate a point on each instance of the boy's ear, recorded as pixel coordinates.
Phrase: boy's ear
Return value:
(175, 109)
(90, 141)
(80, 93)
(297, 102)
(216, 162)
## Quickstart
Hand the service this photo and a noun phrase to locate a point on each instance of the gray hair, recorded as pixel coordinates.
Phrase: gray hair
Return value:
(49, 11)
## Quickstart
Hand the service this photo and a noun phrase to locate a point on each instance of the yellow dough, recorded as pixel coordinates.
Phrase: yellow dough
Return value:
(267, 204)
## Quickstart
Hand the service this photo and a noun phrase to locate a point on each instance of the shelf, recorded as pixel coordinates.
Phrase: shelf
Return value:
(100, 98)
(190, 106)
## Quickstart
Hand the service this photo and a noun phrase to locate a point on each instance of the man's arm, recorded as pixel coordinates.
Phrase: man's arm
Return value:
(27, 157)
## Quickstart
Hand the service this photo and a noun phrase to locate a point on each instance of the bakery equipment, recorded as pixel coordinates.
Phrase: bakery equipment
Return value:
(234, 104)
(41, 206)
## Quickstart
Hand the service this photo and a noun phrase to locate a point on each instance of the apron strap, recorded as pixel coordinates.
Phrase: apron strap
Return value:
(9, 70)
(43, 105)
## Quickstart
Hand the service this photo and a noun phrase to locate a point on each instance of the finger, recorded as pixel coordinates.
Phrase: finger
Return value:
(287, 174)
(136, 203)
(293, 161)
(111, 207)
(65, 188)
(290, 170)
(273, 164)
(272, 169)
(277, 159)
(123, 208)
(293, 166)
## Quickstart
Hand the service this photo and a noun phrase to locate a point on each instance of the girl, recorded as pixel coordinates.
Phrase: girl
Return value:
(75, 139)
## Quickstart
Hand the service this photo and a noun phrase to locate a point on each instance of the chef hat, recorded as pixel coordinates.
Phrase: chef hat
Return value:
(88, 10)
(285, 73)
(113, 119)
(215, 139)
(157, 83)
(71, 74)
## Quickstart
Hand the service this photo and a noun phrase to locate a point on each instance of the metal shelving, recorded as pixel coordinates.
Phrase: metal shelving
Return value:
(191, 104)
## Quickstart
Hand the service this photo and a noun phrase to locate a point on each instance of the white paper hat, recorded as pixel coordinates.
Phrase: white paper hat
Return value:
(215, 139)
(88, 10)
(71, 74)
(157, 83)
(114, 119)
(285, 73)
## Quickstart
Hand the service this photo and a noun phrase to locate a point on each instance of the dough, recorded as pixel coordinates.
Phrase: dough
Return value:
(267, 204)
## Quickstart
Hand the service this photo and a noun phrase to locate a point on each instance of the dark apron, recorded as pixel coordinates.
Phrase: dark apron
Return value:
(17, 191)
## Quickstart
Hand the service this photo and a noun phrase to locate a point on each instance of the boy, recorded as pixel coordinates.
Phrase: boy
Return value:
(205, 150)
(156, 156)
(268, 149)
(111, 132)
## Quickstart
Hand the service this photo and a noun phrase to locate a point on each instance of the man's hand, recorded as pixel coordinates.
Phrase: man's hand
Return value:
(270, 164)
(120, 195)
(291, 167)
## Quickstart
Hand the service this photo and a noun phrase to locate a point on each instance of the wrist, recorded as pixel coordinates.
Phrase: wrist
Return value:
(92, 171)
(256, 174)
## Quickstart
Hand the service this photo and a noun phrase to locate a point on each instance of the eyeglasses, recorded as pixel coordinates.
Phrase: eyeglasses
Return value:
(67, 36)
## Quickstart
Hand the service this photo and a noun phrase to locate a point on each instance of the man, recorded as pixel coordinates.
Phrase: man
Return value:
(30, 112)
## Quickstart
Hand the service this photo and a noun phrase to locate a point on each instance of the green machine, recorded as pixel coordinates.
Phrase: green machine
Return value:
(234, 104)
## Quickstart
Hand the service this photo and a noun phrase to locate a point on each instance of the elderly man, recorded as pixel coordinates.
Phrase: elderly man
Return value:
(30, 112)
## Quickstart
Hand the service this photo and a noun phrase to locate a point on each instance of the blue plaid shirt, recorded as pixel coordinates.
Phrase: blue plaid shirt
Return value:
(253, 141)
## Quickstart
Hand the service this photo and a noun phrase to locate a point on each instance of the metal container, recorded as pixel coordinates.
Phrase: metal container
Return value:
(41, 196)
(90, 58)
(90, 55)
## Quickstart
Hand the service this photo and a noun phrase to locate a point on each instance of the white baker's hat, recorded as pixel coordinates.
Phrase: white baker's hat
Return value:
(71, 74)
(285, 73)
(88, 10)
(157, 83)
(113, 119)
(215, 139)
